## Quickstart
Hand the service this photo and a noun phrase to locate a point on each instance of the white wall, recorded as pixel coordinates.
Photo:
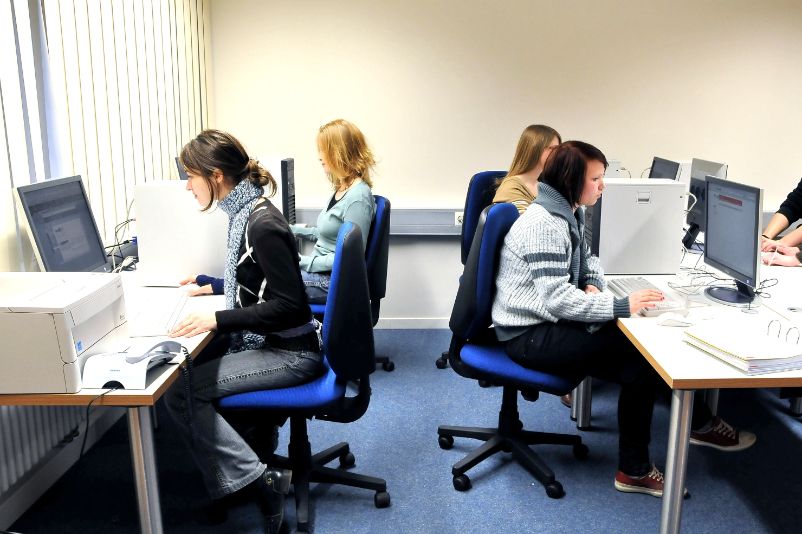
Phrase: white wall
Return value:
(443, 89)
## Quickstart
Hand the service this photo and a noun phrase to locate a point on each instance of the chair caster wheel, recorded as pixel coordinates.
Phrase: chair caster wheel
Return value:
(388, 366)
(462, 483)
(347, 460)
(442, 361)
(555, 490)
(484, 384)
(381, 499)
(580, 451)
(445, 442)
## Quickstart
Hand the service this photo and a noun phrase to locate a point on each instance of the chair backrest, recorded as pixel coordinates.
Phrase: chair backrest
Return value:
(481, 190)
(477, 287)
(378, 249)
(347, 323)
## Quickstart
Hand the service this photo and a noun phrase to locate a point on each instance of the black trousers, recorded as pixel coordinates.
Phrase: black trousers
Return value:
(567, 348)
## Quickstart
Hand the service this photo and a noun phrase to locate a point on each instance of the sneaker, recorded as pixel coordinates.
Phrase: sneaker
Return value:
(651, 483)
(723, 437)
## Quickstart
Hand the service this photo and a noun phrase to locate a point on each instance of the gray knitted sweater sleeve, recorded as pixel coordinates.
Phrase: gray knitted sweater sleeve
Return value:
(534, 280)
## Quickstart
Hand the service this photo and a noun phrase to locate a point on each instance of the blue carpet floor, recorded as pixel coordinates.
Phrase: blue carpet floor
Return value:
(750, 491)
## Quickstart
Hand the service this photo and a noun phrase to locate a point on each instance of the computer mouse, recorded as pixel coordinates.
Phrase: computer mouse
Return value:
(674, 319)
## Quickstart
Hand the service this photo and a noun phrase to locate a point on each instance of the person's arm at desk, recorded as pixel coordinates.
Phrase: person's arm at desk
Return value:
(207, 285)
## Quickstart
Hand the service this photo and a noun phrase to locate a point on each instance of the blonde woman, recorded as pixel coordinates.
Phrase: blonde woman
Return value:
(519, 187)
(347, 161)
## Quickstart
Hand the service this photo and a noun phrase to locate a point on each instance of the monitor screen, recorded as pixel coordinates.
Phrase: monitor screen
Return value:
(288, 189)
(699, 170)
(663, 168)
(61, 225)
(182, 172)
(733, 213)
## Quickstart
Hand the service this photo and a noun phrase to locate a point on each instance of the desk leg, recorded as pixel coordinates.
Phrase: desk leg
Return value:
(676, 460)
(580, 407)
(140, 434)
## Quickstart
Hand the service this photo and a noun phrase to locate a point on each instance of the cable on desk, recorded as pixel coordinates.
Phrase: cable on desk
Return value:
(86, 428)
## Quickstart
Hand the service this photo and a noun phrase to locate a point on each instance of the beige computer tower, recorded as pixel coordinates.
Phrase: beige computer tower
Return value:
(637, 226)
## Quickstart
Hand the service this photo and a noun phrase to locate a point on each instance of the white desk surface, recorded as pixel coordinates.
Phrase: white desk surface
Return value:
(685, 367)
(135, 297)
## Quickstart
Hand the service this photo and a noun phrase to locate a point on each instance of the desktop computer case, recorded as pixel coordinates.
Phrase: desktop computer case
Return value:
(637, 226)
(50, 323)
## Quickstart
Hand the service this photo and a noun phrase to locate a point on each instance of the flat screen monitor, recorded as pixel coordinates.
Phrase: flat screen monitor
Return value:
(61, 226)
(288, 189)
(663, 168)
(182, 172)
(733, 213)
(701, 168)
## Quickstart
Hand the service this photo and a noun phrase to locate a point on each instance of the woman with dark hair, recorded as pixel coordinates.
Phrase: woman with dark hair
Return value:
(553, 314)
(265, 338)
(519, 186)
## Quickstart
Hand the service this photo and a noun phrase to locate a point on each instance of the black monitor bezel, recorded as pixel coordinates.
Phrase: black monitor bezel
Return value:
(22, 193)
(745, 278)
(664, 160)
(182, 172)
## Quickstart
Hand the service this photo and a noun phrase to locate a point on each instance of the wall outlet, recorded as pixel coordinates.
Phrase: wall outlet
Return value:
(458, 216)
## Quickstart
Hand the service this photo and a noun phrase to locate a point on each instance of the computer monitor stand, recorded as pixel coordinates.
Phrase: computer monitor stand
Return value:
(741, 296)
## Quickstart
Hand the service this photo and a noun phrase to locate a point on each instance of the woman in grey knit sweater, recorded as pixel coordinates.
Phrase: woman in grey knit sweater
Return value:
(554, 315)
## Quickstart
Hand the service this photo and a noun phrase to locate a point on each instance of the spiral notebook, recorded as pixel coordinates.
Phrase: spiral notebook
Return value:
(752, 348)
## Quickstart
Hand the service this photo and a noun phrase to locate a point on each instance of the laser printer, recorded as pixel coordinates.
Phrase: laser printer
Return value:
(51, 322)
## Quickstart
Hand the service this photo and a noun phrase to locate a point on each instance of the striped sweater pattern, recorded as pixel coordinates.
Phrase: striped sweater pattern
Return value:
(545, 266)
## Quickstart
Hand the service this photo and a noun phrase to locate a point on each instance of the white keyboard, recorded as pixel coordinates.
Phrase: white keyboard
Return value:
(623, 287)
(160, 315)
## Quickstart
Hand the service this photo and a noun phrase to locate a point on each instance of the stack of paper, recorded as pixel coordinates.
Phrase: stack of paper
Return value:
(746, 347)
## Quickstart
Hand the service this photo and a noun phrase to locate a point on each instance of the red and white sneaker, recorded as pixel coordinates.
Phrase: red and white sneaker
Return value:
(723, 437)
(651, 483)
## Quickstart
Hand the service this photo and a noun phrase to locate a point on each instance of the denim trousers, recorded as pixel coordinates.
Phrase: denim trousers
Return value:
(317, 286)
(567, 348)
(226, 462)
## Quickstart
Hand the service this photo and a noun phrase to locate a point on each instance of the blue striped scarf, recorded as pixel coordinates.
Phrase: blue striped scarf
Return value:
(238, 205)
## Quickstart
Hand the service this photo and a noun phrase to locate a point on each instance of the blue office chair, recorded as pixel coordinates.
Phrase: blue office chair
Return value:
(481, 190)
(349, 356)
(376, 259)
(476, 354)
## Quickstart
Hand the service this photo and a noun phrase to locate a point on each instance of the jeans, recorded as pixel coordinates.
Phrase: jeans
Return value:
(317, 286)
(567, 348)
(227, 463)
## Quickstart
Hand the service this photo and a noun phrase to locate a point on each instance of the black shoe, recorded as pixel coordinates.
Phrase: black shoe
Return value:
(272, 488)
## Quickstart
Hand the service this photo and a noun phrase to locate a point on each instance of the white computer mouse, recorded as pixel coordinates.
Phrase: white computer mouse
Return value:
(674, 319)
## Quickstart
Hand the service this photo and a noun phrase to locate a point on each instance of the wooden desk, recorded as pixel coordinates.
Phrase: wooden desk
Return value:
(686, 369)
(138, 403)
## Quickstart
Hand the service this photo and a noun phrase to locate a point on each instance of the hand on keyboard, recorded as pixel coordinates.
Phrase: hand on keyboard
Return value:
(644, 299)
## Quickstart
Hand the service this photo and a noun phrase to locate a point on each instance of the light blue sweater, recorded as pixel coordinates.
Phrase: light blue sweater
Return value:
(356, 205)
(545, 266)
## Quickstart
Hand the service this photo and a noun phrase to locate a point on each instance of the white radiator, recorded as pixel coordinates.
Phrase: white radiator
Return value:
(33, 453)
(28, 435)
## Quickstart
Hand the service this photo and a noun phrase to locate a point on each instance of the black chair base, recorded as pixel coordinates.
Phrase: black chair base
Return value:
(509, 437)
(386, 362)
(308, 468)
